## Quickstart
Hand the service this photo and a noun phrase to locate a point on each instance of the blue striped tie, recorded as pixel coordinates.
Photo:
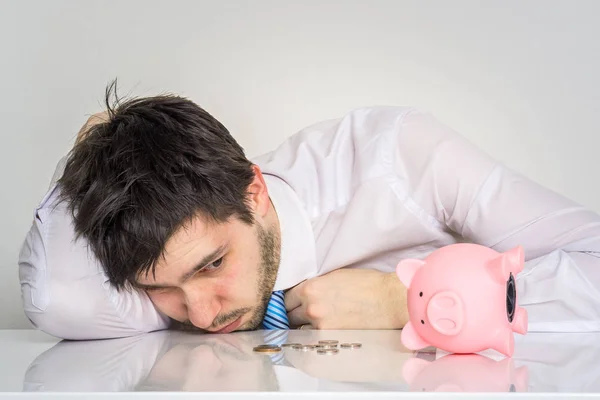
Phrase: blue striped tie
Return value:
(276, 316)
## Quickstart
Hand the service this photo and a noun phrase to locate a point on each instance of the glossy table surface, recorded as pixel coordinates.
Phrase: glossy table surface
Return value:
(170, 361)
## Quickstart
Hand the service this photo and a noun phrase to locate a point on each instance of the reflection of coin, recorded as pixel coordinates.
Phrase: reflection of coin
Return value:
(329, 342)
(329, 352)
(267, 349)
(306, 347)
(290, 344)
(326, 346)
(351, 345)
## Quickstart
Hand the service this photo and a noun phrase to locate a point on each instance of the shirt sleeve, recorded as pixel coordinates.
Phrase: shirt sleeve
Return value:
(64, 289)
(487, 203)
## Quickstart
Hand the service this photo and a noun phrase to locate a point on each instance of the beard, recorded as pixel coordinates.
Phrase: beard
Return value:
(269, 243)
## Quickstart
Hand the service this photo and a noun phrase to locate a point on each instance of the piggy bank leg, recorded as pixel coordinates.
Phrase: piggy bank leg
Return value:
(520, 321)
(411, 339)
(504, 342)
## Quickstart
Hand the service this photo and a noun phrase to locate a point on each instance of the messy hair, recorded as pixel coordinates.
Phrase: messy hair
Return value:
(154, 165)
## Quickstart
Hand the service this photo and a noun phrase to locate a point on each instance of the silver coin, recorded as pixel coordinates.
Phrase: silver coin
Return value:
(291, 344)
(306, 347)
(329, 342)
(326, 346)
(328, 352)
(351, 345)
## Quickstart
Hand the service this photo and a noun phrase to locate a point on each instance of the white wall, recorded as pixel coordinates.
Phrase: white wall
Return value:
(519, 78)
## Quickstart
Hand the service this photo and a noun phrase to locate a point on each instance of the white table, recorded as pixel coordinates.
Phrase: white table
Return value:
(176, 362)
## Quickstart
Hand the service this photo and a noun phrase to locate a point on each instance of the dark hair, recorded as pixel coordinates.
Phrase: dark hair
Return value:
(154, 165)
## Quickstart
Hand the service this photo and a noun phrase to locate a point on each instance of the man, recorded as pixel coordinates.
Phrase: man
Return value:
(160, 220)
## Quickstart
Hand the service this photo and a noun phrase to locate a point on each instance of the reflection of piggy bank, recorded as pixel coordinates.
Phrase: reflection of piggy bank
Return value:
(465, 373)
(462, 298)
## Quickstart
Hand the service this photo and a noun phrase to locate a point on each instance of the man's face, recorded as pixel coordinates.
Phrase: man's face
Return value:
(216, 278)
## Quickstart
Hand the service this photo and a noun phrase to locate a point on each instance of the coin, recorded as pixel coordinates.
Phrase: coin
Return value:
(290, 344)
(327, 351)
(326, 346)
(351, 345)
(329, 342)
(267, 349)
(306, 347)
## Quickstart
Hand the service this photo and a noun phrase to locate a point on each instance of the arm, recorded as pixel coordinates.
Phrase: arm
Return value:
(487, 203)
(64, 290)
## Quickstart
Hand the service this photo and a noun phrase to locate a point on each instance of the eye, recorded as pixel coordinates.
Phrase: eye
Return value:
(215, 264)
(420, 294)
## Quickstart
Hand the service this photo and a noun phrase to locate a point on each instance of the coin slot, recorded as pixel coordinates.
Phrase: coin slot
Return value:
(511, 298)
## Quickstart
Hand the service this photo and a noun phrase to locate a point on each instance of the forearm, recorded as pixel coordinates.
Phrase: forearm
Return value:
(396, 294)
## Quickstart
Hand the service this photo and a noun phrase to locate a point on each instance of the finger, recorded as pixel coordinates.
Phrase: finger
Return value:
(298, 317)
(292, 297)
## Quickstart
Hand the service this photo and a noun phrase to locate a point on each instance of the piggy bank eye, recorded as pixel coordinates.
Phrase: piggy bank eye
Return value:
(420, 294)
(423, 322)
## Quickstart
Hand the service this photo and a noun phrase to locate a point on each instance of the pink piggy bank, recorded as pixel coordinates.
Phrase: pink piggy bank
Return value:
(462, 299)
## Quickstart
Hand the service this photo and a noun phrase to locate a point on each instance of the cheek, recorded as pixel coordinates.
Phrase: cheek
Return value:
(169, 304)
(236, 281)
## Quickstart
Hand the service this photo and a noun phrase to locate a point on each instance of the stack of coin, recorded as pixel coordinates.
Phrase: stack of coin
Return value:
(329, 351)
(332, 343)
(267, 348)
(351, 345)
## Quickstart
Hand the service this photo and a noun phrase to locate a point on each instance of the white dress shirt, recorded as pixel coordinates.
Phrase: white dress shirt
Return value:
(363, 191)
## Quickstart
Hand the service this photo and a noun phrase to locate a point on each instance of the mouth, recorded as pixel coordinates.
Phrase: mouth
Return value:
(231, 327)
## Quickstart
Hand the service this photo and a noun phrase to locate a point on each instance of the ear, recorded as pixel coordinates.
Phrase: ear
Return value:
(257, 193)
(510, 261)
(516, 257)
(412, 368)
(407, 269)
(411, 339)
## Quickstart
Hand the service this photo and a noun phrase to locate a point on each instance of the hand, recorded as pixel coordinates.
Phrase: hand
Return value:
(349, 299)
(95, 119)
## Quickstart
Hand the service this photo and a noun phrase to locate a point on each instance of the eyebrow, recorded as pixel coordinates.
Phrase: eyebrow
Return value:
(202, 264)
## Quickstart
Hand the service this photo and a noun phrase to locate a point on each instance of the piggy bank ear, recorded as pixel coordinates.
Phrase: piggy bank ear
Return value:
(407, 269)
(511, 261)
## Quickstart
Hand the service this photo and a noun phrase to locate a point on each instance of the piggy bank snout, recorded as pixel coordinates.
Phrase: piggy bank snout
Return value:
(445, 313)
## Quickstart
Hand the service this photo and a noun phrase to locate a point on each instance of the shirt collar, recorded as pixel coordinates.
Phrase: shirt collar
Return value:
(298, 256)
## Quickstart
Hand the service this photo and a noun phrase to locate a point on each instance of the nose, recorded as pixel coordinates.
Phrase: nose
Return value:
(445, 313)
(202, 307)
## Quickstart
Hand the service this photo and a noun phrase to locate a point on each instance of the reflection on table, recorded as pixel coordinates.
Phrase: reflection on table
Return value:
(180, 361)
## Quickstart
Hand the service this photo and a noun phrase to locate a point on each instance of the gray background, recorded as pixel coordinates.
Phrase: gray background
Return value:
(518, 78)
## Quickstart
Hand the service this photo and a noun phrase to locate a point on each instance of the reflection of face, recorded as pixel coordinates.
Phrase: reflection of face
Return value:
(219, 363)
(213, 275)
